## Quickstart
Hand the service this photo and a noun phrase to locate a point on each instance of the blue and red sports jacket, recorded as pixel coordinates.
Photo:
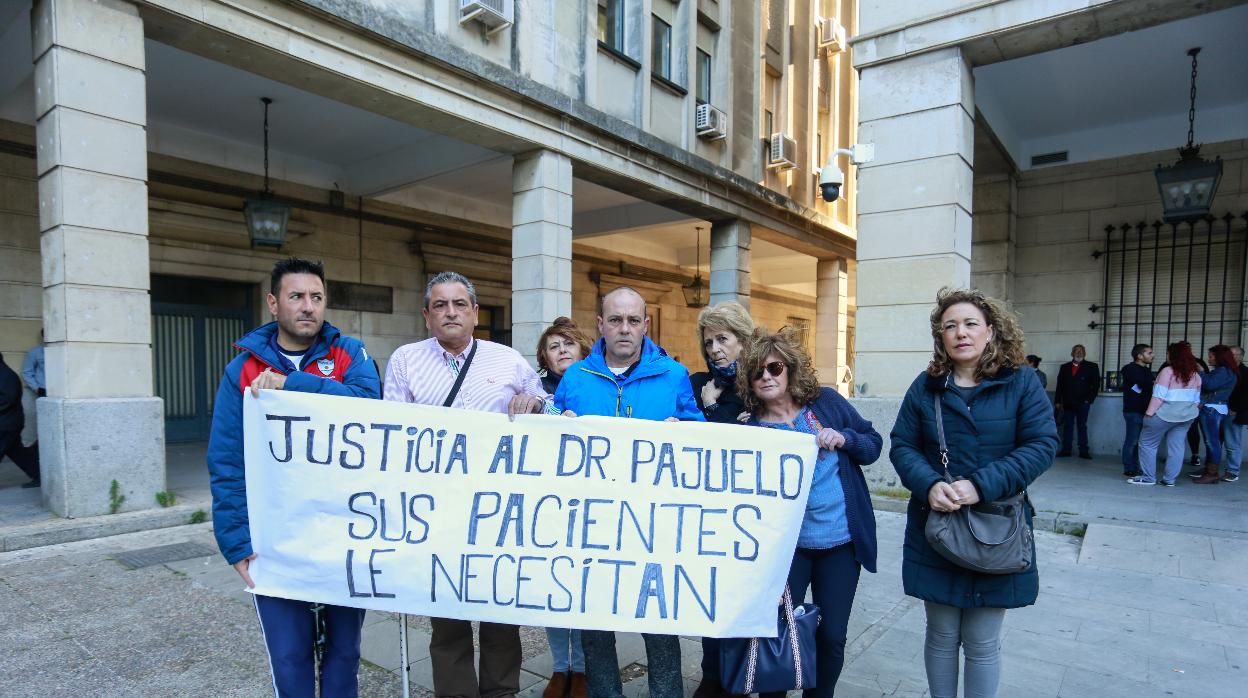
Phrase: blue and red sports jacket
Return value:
(334, 365)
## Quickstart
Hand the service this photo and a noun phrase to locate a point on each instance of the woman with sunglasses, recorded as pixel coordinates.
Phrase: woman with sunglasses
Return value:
(837, 539)
(1000, 436)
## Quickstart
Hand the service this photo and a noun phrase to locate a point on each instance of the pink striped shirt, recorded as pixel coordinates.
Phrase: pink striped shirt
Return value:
(422, 373)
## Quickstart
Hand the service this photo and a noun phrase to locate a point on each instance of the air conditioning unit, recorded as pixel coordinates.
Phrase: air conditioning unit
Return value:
(710, 123)
(831, 35)
(496, 15)
(782, 155)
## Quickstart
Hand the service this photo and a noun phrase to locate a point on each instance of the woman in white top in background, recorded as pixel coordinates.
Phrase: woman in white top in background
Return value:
(1175, 404)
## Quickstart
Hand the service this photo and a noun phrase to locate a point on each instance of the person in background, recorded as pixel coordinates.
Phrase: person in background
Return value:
(1233, 430)
(1034, 362)
(1174, 405)
(560, 346)
(1216, 388)
(723, 331)
(1137, 390)
(11, 420)
(33, 376)
(837, 537)
(1001, 437)
(1078, 383)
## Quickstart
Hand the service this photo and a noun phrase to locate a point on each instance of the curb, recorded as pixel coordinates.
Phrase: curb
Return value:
(58, 531)
(1055, 522)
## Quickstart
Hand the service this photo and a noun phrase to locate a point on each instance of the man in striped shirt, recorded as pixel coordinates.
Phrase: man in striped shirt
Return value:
(495, 378)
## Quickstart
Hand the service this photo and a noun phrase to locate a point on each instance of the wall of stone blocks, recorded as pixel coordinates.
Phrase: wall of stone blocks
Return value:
(21, 286)
(1061, 214)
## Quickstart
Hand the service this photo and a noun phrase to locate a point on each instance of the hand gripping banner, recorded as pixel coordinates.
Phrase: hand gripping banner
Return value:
(574, 522)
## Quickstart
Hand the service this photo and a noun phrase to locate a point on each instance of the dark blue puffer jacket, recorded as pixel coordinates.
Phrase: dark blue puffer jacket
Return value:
(1002, 441)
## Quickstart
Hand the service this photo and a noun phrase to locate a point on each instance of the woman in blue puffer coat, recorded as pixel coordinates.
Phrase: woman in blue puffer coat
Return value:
(1001, 436)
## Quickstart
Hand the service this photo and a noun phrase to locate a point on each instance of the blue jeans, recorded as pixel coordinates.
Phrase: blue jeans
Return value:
(1211, 425)
(288, 627)
(1073, 415)
(832, 576)
(602, 671)
(1232, 438)
(565, 650)
(1131, 442)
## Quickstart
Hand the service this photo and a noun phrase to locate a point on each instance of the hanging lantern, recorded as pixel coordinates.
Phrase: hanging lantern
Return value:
(1187, 187)
(696, 293)
(266, 218)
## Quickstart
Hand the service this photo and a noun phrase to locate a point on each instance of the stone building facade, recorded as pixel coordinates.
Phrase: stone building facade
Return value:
(548, 159)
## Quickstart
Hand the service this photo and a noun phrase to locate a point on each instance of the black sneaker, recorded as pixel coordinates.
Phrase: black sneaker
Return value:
(1230, 478)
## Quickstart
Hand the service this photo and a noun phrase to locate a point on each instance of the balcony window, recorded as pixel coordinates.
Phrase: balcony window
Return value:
(661, 50)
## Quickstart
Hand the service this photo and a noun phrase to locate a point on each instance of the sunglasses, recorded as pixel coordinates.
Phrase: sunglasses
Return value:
(775, 368)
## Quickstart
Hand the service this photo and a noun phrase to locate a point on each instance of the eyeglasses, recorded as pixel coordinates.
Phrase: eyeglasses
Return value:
(775, 368)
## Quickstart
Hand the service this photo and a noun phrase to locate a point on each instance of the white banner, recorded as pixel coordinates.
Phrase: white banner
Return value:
(585, 522)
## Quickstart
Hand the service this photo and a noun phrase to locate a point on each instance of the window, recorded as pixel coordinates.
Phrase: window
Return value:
(702, 90)
(661, 49)
(490, 325)
(1171, 282)
(611, 23)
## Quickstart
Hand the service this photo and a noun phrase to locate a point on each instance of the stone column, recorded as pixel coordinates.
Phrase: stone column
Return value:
(831, 322)
(730, 262)
(541, 246)
(914, 209)
(100, 422)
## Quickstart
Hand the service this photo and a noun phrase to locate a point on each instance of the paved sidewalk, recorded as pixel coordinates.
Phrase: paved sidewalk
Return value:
(1124, 611)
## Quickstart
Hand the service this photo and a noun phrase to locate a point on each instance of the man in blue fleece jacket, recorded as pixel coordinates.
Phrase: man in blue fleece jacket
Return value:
(627, 375)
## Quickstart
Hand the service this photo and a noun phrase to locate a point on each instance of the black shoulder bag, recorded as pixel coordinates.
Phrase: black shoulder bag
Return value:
(463, 371)
(989, 537)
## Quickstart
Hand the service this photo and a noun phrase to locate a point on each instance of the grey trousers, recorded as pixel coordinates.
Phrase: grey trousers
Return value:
(978, 632)
(1157, 431)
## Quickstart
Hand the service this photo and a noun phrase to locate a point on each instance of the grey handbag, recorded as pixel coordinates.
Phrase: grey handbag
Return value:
(989, 537)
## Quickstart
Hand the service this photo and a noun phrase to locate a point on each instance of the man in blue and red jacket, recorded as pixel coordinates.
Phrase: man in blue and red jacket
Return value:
(298, 351)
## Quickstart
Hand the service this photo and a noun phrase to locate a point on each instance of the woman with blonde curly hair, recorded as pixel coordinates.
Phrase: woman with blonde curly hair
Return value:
(837, 538)
(1000, 436)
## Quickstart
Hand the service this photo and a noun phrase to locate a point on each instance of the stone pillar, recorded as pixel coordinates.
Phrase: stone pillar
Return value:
(832, 322)
(100, 422)
(914, 209)
(730, 262)
(541, 246)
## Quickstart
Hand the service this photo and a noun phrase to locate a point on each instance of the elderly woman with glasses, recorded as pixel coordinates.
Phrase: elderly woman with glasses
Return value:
(781, 391)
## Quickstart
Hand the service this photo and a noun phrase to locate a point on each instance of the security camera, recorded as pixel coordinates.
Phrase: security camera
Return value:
(830, 180)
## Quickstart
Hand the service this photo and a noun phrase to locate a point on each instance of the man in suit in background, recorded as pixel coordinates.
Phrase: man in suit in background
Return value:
(1078, 383)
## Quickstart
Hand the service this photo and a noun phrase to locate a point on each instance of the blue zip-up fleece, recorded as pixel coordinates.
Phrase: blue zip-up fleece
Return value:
(1216, 386)
(862, 447)
(1001, 438)
(334, 365)
(657, 388)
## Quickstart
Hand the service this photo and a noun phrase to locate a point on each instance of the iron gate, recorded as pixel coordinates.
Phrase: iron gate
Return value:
(191, 344)
(1166, 282)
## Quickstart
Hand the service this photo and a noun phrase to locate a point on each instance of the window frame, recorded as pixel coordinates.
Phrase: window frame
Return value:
(703, 77)
(663, 68)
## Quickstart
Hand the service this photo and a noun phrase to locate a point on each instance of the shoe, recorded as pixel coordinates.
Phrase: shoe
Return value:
(1141, 480)
(580, 686)
(557, 687)
(1196, 473)
(30, 485)
(1210, 476)
(1230, 478)
(1063, 454)
(1166, 483)
(1196, 462)
(708, 688)
(1132, 473)
(1086, 456)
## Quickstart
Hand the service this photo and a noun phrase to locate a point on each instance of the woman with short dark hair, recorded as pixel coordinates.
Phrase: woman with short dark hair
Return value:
(1215, 391)
(778, 383)
(1000, 434)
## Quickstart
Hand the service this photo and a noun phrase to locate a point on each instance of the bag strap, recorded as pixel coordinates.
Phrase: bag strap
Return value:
(463, 371)
(793, 638)
(940, 431)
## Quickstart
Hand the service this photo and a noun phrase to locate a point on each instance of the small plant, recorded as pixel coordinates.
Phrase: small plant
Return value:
(198, 516)
(115, 497)
(166, 499)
